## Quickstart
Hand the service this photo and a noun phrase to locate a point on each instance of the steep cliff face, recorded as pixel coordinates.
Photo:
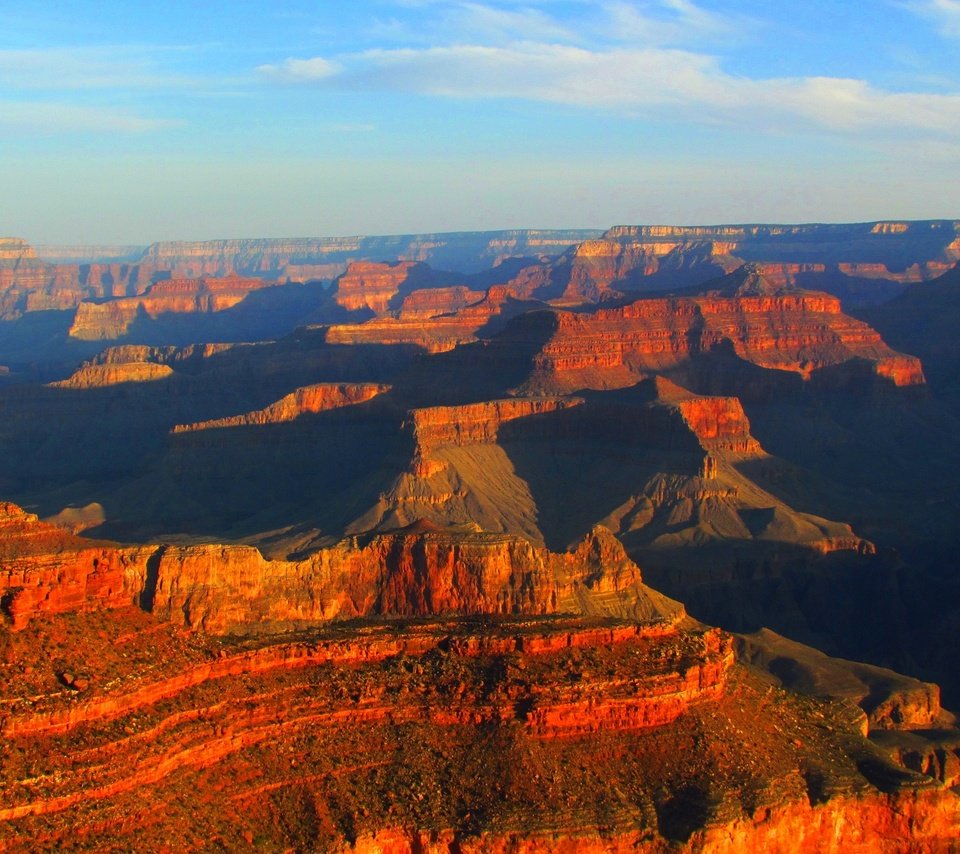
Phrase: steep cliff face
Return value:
(799, 332)
(96, 321)
(465, 252)
(601, 269)
(416, 572)
(476, 423)
(923, 320)
(425, 304)
(377, 287)
(45, 570)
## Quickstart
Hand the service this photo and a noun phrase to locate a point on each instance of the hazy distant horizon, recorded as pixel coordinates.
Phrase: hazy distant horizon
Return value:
(596, 229)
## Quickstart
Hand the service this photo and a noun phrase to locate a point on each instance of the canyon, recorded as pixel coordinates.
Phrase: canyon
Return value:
(639, 539)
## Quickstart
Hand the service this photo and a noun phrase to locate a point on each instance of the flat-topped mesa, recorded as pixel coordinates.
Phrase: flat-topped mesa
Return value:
(476, 423)
(45, 569)
(823, 230)
(164, 355)
(466, 252)
(100, 376)
(113, 319)
(801, 332)
(319, 397)
(796, 331)
(823, 256)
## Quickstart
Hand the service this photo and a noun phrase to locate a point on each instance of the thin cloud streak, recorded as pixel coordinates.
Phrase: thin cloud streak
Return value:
(675, 84)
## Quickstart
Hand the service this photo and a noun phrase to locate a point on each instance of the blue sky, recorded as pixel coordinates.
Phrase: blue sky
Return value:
(128, 122)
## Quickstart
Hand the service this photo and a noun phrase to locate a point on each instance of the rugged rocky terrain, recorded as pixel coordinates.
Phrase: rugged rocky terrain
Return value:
(361, 557)
(478, 733)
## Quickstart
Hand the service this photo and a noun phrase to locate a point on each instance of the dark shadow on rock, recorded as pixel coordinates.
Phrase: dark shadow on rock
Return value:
(149, 593)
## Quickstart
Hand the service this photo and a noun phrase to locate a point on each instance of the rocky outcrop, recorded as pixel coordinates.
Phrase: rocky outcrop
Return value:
(136, 363)
(419, 571)
(114, 319)
(425, 304)
(476, 423)
(377, 287)
(889, 700)
(313, 398)
(99, 376)
(45, 570)
(602, 269)
(614, 347)
(719, 423)
(438, 320)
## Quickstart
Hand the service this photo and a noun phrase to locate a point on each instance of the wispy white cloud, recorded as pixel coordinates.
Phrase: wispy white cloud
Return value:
(59, 118)
(301, 70)
(945, 14)
(669, 22)
(641, 22)
(674, 83)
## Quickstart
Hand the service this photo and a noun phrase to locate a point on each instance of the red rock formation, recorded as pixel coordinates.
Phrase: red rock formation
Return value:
(44, 569)
(437, 320)
(719, 423)
(416, 572)
(137, 363)
(600, 269)
(829, 258)
(476, 422)
(371, 286)
(801, 332)
(312, 398)
(113, 319)
(429, 303)
(460, 736)
(98, 376)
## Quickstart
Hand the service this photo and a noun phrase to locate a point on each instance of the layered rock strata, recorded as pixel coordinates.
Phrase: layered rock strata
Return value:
(416, 572)
(464, 736)
(114, 319)
(614, 347)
